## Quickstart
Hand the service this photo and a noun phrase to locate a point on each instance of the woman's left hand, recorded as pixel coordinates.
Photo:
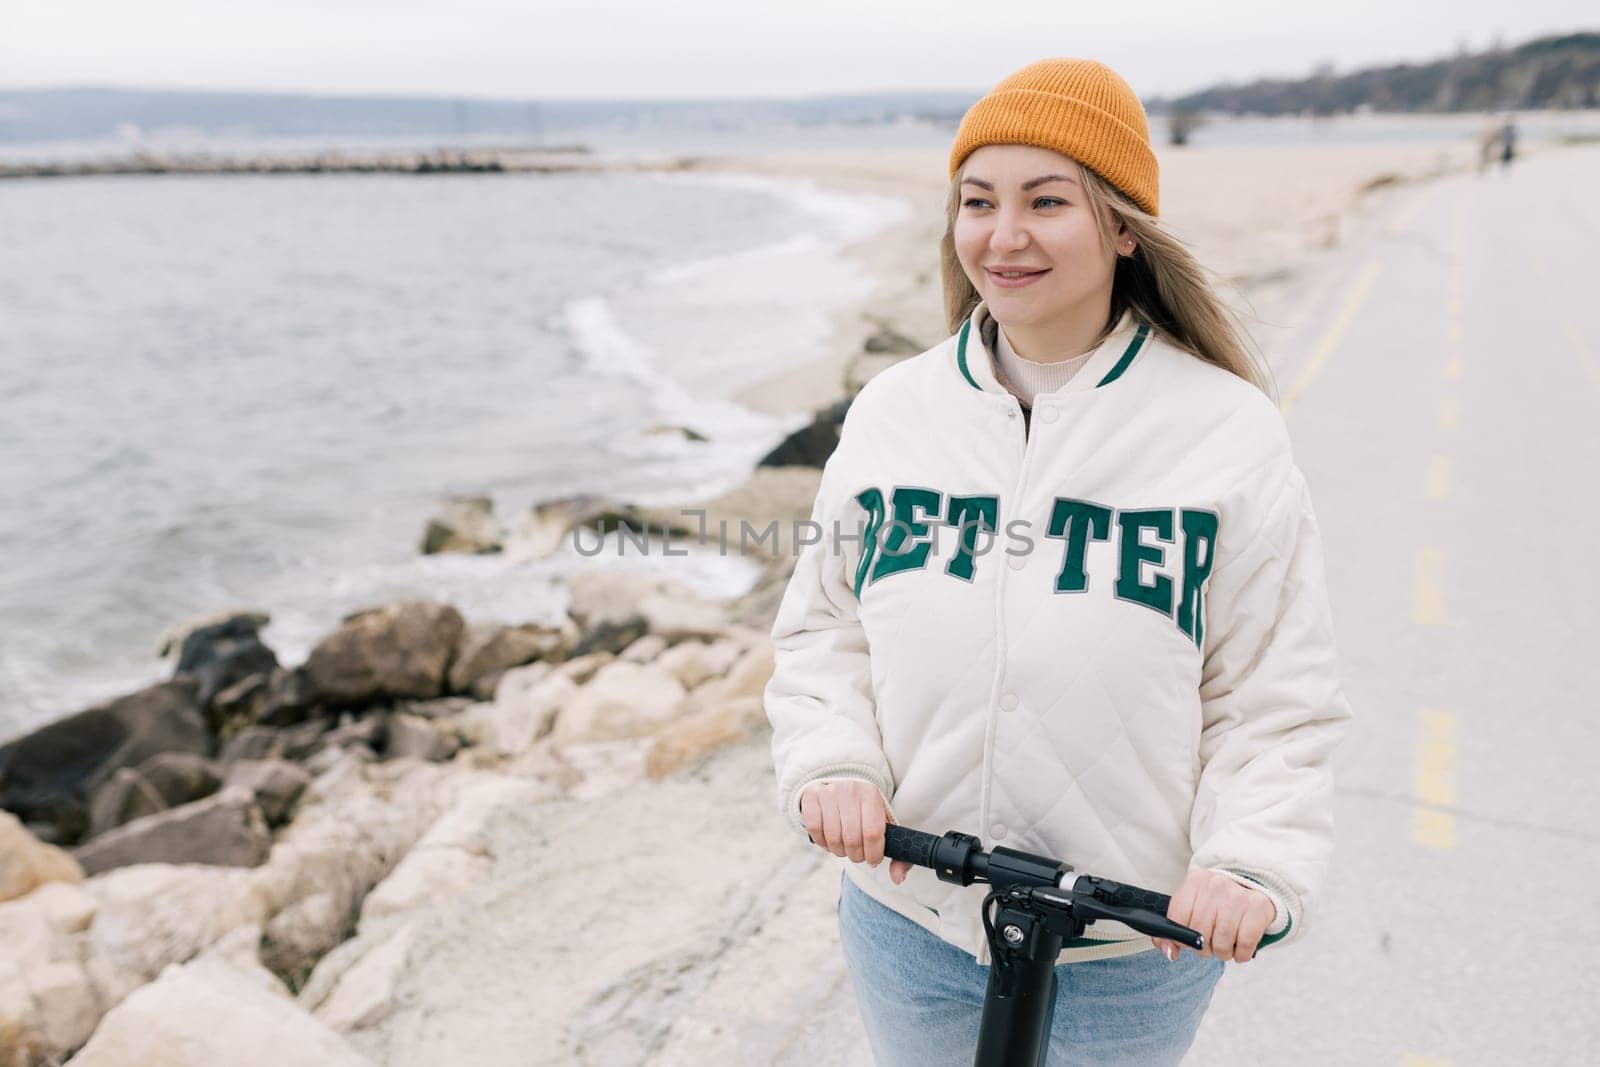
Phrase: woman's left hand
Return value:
(1230, 917)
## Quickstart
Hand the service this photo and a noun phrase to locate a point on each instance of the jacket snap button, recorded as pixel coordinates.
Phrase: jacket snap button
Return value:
(1015, 562)
(1009, 702)
(999, 831)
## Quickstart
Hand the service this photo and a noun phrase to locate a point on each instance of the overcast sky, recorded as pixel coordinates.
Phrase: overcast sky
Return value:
(634, 48)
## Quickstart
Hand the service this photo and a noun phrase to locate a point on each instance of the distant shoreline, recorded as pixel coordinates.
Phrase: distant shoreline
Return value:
(608, 151)
(561, 159)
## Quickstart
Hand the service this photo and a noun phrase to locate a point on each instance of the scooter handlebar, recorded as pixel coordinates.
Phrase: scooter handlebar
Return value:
(912, 846)
(960, 858)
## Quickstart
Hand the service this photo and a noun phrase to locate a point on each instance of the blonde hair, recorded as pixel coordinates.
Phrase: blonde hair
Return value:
(1161, 282)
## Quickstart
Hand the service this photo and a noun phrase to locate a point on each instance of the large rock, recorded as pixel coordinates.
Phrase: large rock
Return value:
(890, 342)
(281, 697)
(645, 649)
(122, 800)
(50, 774)
(224, 650)
(419, 738)
(693, 662)
(71, 950)
(689, 740)
(489, 651)
(669, 608)
(276, 784)
(370, 729)
(334, 756)
(159, 783)
(812, 444)
(579, 669)
(290, 698)
(747, 678)
(464, 524)
(266, 742)
(356, 823)
(304, 931)
(386, 653)
(543, 529)
(27, 863)
(210, 1012)
(148, 915)
(49, 997)
(765, 515)
(524, 709)
(523, 926)
(720, 711)
(226, 623)
(362, 992)
(225, 830)
(451, 856)
(181, 777)
(612, 636)
(240, 704)
(623, 700)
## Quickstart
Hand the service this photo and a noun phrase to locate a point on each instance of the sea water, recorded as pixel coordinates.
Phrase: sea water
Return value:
(223, 392)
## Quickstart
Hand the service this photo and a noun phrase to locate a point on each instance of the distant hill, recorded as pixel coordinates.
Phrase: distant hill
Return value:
(1562, 71)
(93, 113)
(1551, 72)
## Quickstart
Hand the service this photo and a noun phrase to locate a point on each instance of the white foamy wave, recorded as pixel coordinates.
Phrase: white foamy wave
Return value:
(697, 333)
(738, 433)
(603, 344)
(837, 219)
(723, 323)
(841, 217)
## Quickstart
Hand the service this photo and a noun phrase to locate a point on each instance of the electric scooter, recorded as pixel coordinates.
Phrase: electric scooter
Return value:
(1038, 903)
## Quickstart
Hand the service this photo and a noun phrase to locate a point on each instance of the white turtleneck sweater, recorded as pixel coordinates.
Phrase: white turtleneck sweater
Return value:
(1027, 378)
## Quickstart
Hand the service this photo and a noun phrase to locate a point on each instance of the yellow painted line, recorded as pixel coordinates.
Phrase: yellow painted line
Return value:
(1427, 588)
(1449, 413)
(1411, 1059)
(1435, 781)
(1331, 338)
(1437, 486)
(1452, 366)
(1584, 353)
(1453, 330)
(1453, 305)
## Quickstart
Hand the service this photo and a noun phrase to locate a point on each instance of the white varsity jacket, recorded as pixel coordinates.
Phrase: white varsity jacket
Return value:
(1104, 639)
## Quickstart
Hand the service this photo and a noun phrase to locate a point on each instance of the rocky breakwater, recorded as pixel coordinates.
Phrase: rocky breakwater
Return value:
(227, 866)
(204, 843)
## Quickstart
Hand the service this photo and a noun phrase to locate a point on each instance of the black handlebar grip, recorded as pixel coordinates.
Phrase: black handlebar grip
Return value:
(1124, 896)
(912, 846)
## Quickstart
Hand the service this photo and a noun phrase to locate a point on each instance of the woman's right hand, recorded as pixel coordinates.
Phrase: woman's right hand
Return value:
(847, 817)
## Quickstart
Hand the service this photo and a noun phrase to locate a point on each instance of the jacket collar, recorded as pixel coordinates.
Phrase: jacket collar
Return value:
(1111, 358)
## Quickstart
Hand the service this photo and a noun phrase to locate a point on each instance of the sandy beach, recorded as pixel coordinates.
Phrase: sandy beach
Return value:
(1258, 217)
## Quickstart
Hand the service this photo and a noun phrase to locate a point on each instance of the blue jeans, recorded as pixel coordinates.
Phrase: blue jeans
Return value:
(921, 998)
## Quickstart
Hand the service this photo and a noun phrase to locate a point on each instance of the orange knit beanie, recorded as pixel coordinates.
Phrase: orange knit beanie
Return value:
(1078, 107)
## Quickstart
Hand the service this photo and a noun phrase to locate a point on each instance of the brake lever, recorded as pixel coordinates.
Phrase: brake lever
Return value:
(1086, 908)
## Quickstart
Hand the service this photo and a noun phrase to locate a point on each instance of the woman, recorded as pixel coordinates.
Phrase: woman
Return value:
(1085, 614)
